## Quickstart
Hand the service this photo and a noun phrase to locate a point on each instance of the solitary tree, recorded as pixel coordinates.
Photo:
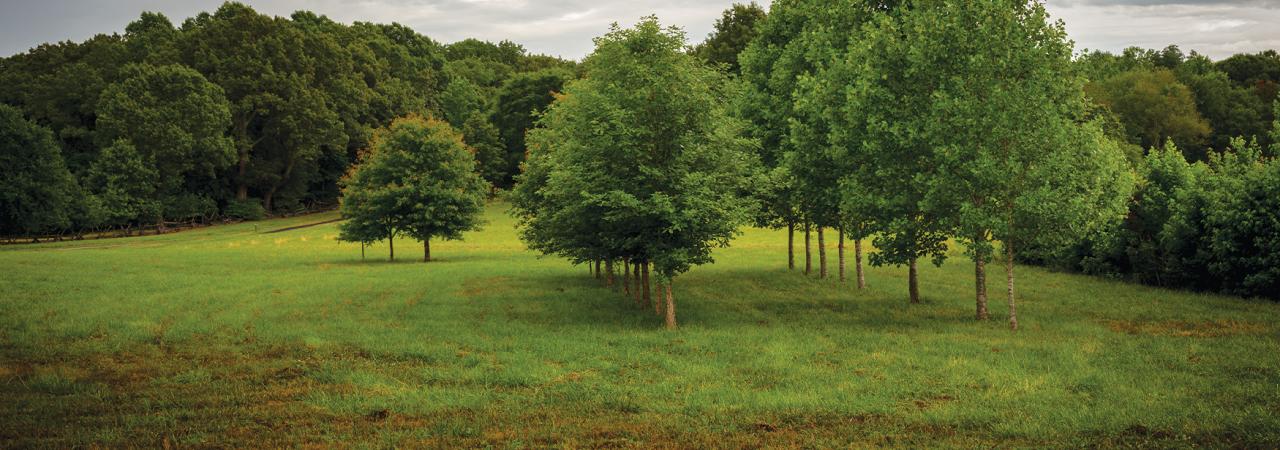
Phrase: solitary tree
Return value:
(418, 179)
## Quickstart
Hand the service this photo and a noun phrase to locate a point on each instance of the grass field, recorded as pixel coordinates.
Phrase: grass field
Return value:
(230, 336)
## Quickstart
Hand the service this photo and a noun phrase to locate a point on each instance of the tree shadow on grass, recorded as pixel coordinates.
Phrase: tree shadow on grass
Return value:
(732, 298)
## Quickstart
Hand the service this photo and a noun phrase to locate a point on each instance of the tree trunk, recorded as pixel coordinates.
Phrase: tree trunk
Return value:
(608, 272)
(671, 308)
(1008, 270)
(980, 285)
(644, 281)
(266, 200)
(362, 251)
(913, 282)
(391, 241)
(635, 277)
(626, 277)
(791, 245)
(822, 254)
(840, 248)
(426, 250)
(597, 269)
(857, 263)
(657, 304)
(808, 253)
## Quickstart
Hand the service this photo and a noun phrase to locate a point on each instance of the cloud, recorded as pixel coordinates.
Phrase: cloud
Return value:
(1216, 28)
(566, 27)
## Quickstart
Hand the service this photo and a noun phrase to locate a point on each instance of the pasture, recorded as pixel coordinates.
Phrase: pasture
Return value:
(233, 336)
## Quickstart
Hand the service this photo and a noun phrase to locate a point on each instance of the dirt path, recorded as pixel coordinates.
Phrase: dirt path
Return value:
(303, 226)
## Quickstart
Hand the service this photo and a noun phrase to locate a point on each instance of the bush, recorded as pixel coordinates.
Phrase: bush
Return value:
(250, 209)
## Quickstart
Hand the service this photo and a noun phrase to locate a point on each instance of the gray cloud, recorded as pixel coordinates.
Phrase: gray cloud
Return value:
(565, 27)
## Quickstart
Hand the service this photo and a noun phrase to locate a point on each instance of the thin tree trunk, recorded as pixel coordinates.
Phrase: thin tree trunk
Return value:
(857, 263)
(822, 254)
(808, 253)
(608, 272)
(391, 241)
(644, 282)
(626, 277)
(980, 285)
(597, 269)
(791, 245)
(362, 251)
(657, 304)
(1008, 270)
(671, 308)
(840, 247)
(635, 277)
(426, 250)
(913, 282)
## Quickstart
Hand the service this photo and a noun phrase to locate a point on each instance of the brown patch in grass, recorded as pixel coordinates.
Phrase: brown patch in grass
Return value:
(1215, 328)
(479, 287)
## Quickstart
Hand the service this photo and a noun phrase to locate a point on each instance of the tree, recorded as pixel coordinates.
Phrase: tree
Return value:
(1154, 107)
(37, 192)
(174, 119)
(124, 184)
(418, 179)
(638, 160)
(482, 137)
(876, 130)
(519, 102)
(735, 28)
(1015, 160)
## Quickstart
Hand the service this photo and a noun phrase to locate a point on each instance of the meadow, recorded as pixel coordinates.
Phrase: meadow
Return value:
(233, 336)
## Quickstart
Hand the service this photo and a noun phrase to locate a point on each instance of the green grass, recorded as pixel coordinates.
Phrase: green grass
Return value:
(230, 336)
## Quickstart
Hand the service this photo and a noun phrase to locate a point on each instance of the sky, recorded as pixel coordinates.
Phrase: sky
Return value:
(1217, 28)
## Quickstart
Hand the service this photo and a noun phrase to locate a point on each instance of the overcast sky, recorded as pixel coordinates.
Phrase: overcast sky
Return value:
(564, 28)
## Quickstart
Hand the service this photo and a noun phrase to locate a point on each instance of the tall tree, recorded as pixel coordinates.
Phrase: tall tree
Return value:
(735, 28)
(173, 118)
(519, 102)
(36, 190)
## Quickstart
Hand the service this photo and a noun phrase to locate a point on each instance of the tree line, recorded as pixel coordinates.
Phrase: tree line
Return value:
(910, 125)
(240, 114)
(914, 125)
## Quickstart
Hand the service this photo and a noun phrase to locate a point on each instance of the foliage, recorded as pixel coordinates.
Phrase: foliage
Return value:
(125, 183)
(1154, 107)
(638, 160)
(733, 31)
(418, 179)
(519, 102)
(36, 190)
(175, 119)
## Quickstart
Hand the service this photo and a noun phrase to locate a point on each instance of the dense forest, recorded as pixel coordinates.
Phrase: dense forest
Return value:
(239, 114)
(862, 118)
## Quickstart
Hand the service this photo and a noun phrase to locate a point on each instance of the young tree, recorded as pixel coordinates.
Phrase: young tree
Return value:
(1002, 115)
(637, 160)
(36, 190)
(418, 179)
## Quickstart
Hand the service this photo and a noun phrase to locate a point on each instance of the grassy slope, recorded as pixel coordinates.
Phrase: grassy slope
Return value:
(230, 336)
